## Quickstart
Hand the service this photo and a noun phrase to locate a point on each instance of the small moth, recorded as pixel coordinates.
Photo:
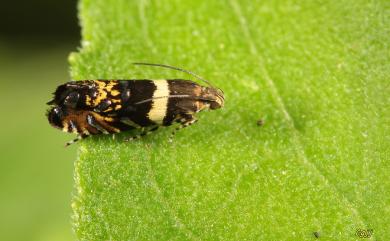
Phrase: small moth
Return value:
(91, 107)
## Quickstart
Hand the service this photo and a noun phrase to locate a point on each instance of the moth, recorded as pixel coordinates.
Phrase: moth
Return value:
(92, 107)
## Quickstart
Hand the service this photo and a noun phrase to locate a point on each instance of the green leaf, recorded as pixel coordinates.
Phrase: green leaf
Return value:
(316, 73)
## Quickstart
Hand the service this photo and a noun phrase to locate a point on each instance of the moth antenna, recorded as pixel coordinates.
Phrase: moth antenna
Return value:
(179, 69)
(172, 96)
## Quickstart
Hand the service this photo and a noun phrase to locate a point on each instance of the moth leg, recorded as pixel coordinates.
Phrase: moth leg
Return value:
(92, 122)
(143, 133)
(79, 137)
(185, 121)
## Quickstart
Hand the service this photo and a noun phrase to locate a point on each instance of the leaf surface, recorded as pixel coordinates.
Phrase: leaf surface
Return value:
(315, 72)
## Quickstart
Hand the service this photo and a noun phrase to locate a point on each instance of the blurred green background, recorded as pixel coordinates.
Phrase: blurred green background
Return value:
(36, 171)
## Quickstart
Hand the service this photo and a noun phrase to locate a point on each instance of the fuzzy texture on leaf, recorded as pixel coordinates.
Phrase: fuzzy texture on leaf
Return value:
(316, 74)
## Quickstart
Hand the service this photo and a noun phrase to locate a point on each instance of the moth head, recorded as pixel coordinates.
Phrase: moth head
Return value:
(56, 116)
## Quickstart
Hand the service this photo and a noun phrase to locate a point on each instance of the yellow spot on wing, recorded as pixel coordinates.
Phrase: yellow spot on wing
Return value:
(101, 96)
(110, 85)
(115, 93)
(104, 88)
(101, 84)
(88, 100)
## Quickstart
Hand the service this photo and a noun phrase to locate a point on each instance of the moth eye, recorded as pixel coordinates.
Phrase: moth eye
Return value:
(55, 117)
